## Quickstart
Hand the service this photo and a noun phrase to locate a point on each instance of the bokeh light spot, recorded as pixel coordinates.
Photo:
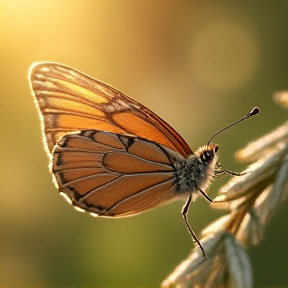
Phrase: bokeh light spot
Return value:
(224, 55)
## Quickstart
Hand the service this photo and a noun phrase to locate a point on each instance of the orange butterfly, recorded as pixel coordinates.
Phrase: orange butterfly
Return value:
(110, 155)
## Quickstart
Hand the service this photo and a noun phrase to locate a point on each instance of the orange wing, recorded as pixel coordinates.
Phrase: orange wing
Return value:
(114, 175)
(69, 101)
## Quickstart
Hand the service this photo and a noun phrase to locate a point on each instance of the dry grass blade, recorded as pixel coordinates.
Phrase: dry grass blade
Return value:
(252, 200)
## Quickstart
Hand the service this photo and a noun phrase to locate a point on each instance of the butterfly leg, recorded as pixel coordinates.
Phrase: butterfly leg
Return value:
(205, 195)
(222, 172)
(194, 237)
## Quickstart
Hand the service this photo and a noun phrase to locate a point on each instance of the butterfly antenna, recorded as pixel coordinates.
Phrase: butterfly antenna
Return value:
(253, 112)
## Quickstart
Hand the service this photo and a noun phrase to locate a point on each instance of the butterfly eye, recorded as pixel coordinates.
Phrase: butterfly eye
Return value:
(205, 156)
(216, 149)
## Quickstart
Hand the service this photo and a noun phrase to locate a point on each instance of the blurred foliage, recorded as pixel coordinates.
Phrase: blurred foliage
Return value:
(199, 65)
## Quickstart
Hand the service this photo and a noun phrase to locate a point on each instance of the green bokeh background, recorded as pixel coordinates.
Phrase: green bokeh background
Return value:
(199, 65)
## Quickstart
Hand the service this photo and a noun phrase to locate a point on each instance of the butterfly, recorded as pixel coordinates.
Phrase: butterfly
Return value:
(110, 155)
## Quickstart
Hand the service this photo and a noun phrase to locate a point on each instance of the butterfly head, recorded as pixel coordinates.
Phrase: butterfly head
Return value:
(208, 153)
(207, 156)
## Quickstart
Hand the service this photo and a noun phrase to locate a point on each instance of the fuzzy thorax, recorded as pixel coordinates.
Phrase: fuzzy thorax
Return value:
(197, 170)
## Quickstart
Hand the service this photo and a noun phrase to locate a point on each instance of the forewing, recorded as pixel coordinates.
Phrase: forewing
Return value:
(114, 175)
(69, 101)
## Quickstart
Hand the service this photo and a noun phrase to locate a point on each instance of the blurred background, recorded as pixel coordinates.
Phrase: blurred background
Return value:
(199, 65)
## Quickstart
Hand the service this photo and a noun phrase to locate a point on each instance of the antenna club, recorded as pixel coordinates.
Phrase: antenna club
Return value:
(254, 111)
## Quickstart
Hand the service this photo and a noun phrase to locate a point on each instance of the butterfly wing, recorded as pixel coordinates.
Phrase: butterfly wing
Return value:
(69, 101)
(114, 175)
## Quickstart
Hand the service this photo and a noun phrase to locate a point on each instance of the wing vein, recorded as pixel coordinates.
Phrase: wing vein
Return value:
(140, 192)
